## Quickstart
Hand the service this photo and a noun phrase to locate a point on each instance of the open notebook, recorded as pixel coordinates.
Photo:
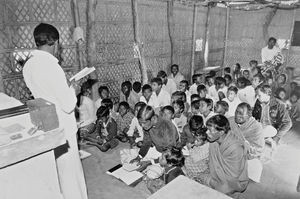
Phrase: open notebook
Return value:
(130, 178)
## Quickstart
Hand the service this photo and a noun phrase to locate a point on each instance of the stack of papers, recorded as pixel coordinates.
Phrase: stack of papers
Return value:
(81, 74)
(128, 177)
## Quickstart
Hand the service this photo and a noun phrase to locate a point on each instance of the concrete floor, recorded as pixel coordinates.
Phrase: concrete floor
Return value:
(279, 177)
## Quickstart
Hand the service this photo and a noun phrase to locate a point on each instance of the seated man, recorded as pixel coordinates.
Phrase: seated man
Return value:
(159, 135)
(252, 133)
(227, 158)
(271, 113)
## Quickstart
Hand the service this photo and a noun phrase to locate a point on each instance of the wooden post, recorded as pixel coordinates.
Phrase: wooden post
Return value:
(136, 35)
(1, 84)
(75, 9)
(170, 20)
(226, 36)
(206, 36)
(195, 11)
(91, 35)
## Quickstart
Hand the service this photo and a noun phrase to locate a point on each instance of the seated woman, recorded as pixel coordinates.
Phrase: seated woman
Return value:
(196, 164)
(86, 108)
(124, 120)
(104, 136)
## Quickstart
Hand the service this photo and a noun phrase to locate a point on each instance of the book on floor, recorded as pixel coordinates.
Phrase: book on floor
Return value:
(130, 178)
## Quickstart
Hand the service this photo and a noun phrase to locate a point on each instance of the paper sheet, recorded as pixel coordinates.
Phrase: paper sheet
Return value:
(126, 176)
(81, 74)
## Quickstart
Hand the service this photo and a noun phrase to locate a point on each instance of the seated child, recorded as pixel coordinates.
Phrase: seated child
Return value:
(196, 164)
(257, 80)
(280, 94)
(126, 94)
(195, 109)
(136, 91)
(219, 90)
(246, 92)
(104, 136)
(179, 95)
(167, 113)
(209, 81)
(135, 132)
(202, 92)
(227, 70)
(86, 107)
(228, 80)
(184, 87)
(172, 161)
(109, 103)
(206, 107)
(103, 93)
(197, 80)
(221, 108)
(147, 95)
(295, 107)
(179, 118)
(123, 121)
(232, 100)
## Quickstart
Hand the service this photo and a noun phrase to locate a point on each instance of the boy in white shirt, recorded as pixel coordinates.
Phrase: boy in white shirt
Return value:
(184, 87)
(147, 95)
(206, 107)
(103, 93)
(160, 97)
(168, 85)
(197, 80)
(246, 92)
(232, 100)
(219, 90)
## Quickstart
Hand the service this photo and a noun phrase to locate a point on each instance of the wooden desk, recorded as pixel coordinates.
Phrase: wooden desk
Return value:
(183, 187)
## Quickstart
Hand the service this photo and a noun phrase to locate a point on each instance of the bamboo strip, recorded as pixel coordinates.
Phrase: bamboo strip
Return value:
(194, 32)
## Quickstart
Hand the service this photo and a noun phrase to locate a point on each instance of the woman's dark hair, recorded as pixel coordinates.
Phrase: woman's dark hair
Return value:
(103, 111)
(219, 122)
(45, 34)
(107, 102)
(175, 158)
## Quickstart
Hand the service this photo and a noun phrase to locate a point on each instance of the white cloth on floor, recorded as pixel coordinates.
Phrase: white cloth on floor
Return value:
(255, 168)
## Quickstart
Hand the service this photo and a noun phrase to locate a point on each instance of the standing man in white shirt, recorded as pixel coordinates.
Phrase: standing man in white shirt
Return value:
(169, 85)
(159, 96)
(46, 79)
(176, 75)
(270, 51)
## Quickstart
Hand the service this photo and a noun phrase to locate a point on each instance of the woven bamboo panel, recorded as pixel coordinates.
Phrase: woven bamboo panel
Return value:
(16, 37)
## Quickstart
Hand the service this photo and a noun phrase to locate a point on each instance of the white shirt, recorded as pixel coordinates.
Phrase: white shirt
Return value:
(149, 103)
(247, 95)
(87, 111)
(170, 87)
(193, 89)
(177, 78)
(136, 125)
(232, 106)
(98, 102)
(162, 99)
(212, 91)
(269, 54)
(211, 114)
(46, 79)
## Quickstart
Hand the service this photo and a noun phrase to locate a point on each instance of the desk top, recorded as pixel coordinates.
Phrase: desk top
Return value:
(24, 149)
(183, 187)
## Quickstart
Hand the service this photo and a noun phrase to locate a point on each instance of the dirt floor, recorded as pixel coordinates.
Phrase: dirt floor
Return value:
(279, 177)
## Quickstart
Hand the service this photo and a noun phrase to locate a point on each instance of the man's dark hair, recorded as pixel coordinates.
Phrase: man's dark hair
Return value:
(125, 104)
(233, 88)
(227, 70)
(193, 96)
(146, 87)
(208, 101)
(220, 80)
(273, 38)
(102, 88)
(136, 86)
(161, 74)
(185, 82)
(107, 102)
(247, 106)
(157, 80)
(201, 87)
(196, 104)
(223, 104)
(175, 65)
(169, 108)
(219, 122)
(45, 34)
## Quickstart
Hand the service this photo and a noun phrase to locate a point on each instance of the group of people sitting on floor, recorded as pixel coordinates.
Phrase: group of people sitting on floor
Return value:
(213, 131)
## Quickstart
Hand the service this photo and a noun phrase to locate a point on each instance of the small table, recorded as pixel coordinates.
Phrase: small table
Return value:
(183, 187)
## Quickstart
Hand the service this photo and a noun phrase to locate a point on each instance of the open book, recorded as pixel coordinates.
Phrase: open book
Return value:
(128, 177)
(81, 74)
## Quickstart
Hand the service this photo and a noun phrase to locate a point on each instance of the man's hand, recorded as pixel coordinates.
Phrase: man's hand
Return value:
(137, 159)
